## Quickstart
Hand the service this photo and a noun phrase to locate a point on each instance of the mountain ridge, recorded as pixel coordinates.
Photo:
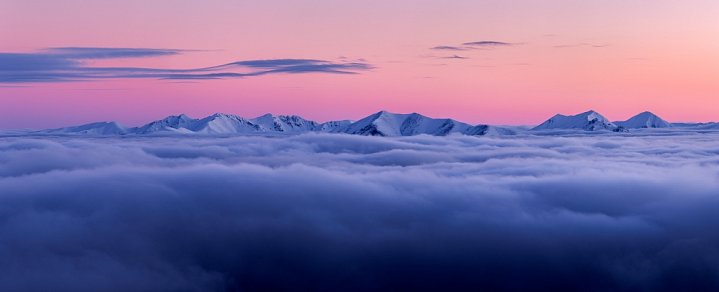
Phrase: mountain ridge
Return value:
(382, 123)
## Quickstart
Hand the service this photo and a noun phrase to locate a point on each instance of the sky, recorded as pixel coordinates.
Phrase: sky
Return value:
(495, 62)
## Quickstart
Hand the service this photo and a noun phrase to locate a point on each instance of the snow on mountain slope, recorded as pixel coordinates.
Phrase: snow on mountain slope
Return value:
(225, 124)
(487, 130)
(390, 124)
(499, 131)
(229, 124)
(379, 124)
(99, 128)
(588, 121)
(334, 126)
(644, 120)
(287, 124)
(179, 123)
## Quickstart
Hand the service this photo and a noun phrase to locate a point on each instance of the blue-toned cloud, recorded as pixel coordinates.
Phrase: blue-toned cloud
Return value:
(339, 212)
(111, 53)
(69, 64)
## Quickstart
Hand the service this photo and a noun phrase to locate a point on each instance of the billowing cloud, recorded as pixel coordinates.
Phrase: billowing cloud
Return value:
(69, 64)
(323, 211)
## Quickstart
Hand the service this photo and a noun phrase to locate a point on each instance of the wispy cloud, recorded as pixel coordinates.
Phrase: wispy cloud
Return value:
(454, 57)
(449, 48)
(473, 46)
(67, 64)
(111, 53)
(488, 44)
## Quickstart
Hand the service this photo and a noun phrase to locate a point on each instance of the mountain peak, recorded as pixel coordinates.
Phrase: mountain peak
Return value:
(647, 114)
(384, 123)
(382, 113)
(223, 115)
(588, 121)
(592, 114)
(644, 119)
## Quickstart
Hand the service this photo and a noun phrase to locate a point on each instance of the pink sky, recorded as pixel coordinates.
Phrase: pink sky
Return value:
(616, 57)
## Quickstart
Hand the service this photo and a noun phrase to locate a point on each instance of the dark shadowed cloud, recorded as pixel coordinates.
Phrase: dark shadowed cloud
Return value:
(69, 64)
(340, 212)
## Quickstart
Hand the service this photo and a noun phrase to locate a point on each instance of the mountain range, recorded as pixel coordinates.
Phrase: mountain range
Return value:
(594, 121)
(382, 123)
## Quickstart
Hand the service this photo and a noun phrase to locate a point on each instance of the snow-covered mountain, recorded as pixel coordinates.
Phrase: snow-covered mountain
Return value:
(99, 128)
(180, 123)
(379, 124)
(225, 124)
(588, 121)
(496, 131)
(390, 124)
(286, 124)
(644, 120)
(229, 124)
(334, 126)
(382, 123)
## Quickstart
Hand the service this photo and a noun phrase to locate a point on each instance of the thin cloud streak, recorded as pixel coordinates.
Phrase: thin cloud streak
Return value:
(449, 48)
(457, 57)
(111, 53)
(488, 44)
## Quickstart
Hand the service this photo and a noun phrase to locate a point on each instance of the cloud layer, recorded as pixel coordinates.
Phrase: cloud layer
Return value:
(330, 212)
(67, 64)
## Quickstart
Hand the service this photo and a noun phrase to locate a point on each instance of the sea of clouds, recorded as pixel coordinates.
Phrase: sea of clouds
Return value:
(340, 212)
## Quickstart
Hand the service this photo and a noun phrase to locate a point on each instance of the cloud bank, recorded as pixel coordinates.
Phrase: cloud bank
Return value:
(66, 64)
(330, 212)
